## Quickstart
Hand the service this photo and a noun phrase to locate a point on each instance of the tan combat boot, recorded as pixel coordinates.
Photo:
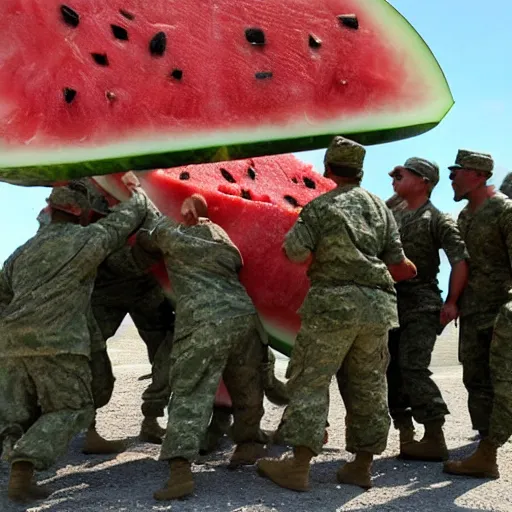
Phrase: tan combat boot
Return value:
(357, 472)
(22, 487)
(95, 444)
(246, 454)
(432, 448)
(290, 473)
(180, 483)
(151, 431)
(481, 464)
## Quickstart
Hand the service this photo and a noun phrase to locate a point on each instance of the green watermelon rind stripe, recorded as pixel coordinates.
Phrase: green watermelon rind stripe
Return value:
(33, 175)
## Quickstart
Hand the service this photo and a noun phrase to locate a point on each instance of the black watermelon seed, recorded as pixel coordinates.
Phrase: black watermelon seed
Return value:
(291, 200)
(314, 42)
(158, 44)
(227, 176)
(309, 182)
(252, 173)
(295, 180)
(69, 16)
(263, 75)
(255, 36)
(126, 14)
(119, 32)
(349, 20)
(100, 58)
(177, 74)
(246, 194)
(69, 94)
(185, 175)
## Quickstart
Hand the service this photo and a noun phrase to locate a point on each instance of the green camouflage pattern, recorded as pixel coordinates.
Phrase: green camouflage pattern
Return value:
(349, 341)
(424, 168)
(45, 401)
(353, 236)
(59, 262)
(500, 427)
(231, 348)
(506, 185)
(424, 232)
(474, 161)
(411, 391)
(346, 153)
(203, 265)
(488, 237)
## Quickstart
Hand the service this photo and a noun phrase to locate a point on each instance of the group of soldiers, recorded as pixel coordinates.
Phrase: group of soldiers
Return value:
(371, 318)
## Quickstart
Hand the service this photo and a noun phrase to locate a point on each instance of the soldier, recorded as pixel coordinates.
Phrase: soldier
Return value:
(346, 316)
(424, 230)
(485, 342)
(506, 185)
(217, 334)
(45, 289)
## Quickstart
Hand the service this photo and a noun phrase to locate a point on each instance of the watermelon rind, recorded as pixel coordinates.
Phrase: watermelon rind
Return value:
(32, 166)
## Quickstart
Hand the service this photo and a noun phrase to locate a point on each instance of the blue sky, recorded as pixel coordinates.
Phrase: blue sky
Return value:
(472, 43)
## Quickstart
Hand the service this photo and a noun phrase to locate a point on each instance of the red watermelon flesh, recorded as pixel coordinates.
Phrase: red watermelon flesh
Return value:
(257, 227)
(135, 84)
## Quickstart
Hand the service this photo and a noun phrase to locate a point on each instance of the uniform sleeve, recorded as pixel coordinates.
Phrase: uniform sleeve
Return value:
(111, 232)
(301, 240)
(5, 290)
(506, 230)
(506, 186)
(158, 239)
(393, 252)
(449, 239)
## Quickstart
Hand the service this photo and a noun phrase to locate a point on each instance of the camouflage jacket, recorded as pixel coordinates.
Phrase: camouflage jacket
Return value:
(203, 265)
(488, 237)
(353, 237)
(49, 280)
(424, 232)
(506, 186)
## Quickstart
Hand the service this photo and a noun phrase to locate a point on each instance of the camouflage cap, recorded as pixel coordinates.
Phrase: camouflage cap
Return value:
(97, 201)
(474, 161)
(345, 153)
(424, 168)
(68, 200)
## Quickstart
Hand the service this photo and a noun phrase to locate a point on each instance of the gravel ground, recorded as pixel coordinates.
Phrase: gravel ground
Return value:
(126, 482)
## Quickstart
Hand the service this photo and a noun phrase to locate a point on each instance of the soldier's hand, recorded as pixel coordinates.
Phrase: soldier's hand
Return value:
(449, 312)
(130, 181)
(189, 212)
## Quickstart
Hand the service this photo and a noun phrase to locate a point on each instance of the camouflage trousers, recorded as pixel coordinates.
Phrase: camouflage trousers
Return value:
(486, 356)
(357, 354)
(475, 336)
(154, 321)
(45, 401)
(232, 349)
(411, 390)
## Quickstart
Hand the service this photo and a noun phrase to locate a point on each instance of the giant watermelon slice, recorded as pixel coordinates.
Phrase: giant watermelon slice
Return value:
(256, 201)
(92, 87)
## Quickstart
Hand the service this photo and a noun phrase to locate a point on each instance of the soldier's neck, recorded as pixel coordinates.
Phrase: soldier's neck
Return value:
(477, 197)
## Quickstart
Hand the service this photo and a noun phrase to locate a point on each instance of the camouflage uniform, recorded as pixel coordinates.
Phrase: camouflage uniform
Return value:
(485, 345)
(45, 344)
(216, 333)
(423, 232)
(506, 186)
(346, 315)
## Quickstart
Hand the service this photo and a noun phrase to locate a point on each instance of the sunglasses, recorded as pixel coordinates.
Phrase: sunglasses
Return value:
(397, 176)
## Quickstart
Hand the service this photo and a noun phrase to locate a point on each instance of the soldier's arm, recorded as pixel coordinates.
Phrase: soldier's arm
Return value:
(158, 240)
(506, 186)
(506, 230)
(6, 294)
(301, 240)
(450, 240)
(111, 232)
(400, 267)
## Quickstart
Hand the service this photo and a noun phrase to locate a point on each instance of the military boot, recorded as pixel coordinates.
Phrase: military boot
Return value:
(357, 472)
(180, 483)
(291, 472)
(246, 454)
(95, 444)
(151, 431)
(432, 447)
(22, 487)
(481, 464)
(220, 425)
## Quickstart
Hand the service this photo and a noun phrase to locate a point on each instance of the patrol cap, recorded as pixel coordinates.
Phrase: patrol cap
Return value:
(97, 201)
(422, 167)
(474, 161)
(68, 200)
(346, 154)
